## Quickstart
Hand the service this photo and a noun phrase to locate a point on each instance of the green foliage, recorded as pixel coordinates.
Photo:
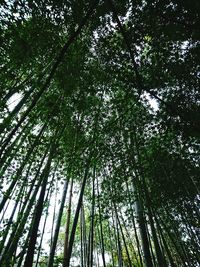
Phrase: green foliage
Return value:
(86, 80)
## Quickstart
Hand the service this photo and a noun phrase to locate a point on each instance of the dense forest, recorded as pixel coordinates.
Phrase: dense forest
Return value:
(99, 133)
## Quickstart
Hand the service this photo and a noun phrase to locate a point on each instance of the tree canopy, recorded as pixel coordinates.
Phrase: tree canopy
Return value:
(99, 133)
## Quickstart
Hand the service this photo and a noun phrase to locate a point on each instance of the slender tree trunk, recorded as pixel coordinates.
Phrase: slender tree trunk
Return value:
(20, 256)
(74, 225)
(171, 237)
(67, 225)
(92, 220)
(54, 213)
(17, 201)
(172, 263)
(22, 216)
(97, 237)
(128, 237)
(45, 221)
(15, 87)
(57, 227)
(14, 147)
(9, 223)
(101, 228)
(17, 108)
(89, 248)
(111, 245)
(81, 234)
(134, 227)
(120, 258)
(143, 233)
(84, 235)
(123, 238)
(151, 245)
(159, 255)
(19, 171)
(38, 213)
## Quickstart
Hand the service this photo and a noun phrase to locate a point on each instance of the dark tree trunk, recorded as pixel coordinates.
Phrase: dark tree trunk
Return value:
(58, 222)
(101, 228)
(143, 233)
(74, 225)
(67, 225)
(37, 215)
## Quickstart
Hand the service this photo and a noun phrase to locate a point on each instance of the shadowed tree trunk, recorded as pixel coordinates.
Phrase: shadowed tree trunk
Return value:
(57, 227)
(38, 213)
(74, 225)
(68, 224)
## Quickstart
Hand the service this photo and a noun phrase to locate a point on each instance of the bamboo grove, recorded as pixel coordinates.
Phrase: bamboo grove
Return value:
(99, 133)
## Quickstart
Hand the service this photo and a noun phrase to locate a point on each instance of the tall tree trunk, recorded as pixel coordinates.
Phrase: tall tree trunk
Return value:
(120, 258)
(37, 214)
(171, 260)
(81, 235)
(48, 198)
(19, 171)
(15, 111)
(18, 200)
(143, 233)
(130, 241)
(74, 225)
(92, 220)
(123, 238)
(57, 227)
(134, 226)
(168, 233)
(67, 225)
(111, 245)
(84, 235)
(159, 255)
(54, 212)
(14, 147)
(101, 228)
(22, 216)
(45, 221)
